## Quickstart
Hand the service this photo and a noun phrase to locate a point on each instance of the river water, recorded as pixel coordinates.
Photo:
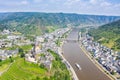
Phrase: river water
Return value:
(73, 53)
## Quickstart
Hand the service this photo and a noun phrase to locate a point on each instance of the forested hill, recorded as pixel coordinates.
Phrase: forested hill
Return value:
(35, 22)
(108, 35)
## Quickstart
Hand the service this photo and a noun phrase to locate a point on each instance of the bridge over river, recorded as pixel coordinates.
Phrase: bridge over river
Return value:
(74, 54)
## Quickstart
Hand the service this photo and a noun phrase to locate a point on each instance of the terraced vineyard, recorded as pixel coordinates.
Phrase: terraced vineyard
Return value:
(22, 70)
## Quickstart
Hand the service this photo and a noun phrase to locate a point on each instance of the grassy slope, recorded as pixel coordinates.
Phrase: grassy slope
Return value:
(108, 35)
(4, 64)
(26, 47)
(23, 70)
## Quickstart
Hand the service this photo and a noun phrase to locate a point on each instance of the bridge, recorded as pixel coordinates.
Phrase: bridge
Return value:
(74, 40)
(71, 41)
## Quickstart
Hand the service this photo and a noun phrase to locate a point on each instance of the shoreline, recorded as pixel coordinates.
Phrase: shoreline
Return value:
(68, 65)
(96, 63)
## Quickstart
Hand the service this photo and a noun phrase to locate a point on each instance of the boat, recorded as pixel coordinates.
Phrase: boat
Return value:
(78, 66)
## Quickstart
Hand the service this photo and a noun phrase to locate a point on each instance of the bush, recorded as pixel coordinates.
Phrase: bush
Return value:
(21, 50)
(37, 78)
(42, 66)
(22, 55)
(11, 60)
(0, 60)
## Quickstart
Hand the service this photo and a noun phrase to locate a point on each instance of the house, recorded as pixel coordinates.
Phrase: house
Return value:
(4, 54)
(5, 31)
(30, 58)
(48, 64)
(40, 39)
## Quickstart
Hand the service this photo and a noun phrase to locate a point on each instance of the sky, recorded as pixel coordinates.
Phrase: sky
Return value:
(95, 7)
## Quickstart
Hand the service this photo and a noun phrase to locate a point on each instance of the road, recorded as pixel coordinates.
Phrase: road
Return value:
(74, 54)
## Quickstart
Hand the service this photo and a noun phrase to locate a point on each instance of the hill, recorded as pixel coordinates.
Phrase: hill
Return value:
(17, 68)
(37, 23)
(108, 35)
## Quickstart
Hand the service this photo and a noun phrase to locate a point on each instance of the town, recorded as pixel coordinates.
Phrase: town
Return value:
(41, 45)
(106, 57)
(7, 42)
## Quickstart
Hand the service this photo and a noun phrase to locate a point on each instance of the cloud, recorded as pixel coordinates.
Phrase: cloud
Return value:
(24, 2)
(92, 7)
(107, 7)
(93, 1)
(71, 2)
(14, 3)
(37, 1)
(99, 2)
(105, 4)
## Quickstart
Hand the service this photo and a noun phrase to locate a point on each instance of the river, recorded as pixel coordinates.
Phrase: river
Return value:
(74, 54)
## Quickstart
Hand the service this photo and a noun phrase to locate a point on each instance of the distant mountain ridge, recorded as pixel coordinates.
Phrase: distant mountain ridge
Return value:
(30, 22)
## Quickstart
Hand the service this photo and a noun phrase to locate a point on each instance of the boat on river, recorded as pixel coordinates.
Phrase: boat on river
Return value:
(78, 66)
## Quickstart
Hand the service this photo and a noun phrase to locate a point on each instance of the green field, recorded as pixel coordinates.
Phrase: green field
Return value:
(4, 65)
(26, 47)
(24, 70)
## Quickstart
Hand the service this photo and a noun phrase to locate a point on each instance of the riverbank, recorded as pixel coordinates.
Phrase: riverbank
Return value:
(96, 63)
(74, 54)
(69, 67)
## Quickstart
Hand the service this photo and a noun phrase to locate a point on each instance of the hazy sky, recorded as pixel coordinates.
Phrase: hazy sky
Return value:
(99, 7)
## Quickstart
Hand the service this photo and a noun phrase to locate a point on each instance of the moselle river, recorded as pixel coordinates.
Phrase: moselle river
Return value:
(73, 53)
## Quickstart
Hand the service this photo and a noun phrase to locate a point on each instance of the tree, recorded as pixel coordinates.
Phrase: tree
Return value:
(21, 50)
(11, 60)
(0, 60)
(42, 66)
(45, 78)
(37, 78)
(113, 73)
(22, 55)
(118, 43)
